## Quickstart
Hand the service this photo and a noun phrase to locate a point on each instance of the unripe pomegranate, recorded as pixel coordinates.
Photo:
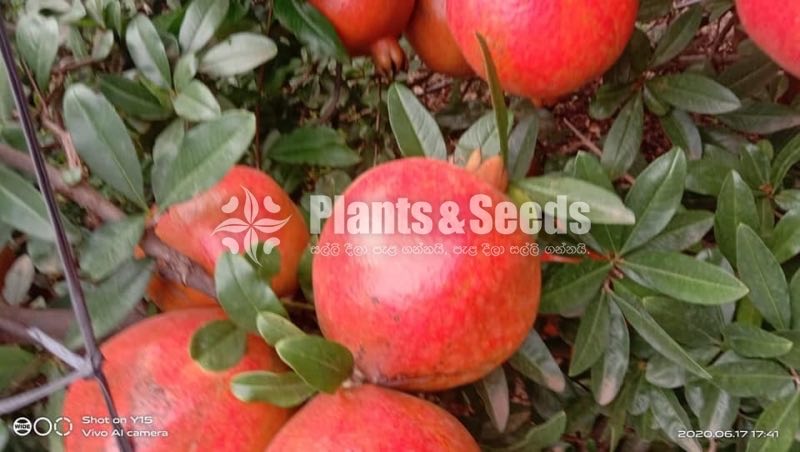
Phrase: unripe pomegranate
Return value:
(543, 49)
(245, 208)
(430, 36)
(153, 377)
(372, 419)
(424, 309)
(370, 27)
(774, 26)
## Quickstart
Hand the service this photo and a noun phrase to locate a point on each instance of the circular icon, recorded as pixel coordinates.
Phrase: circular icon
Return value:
(37, 424)
(22, 426)
(62, 426)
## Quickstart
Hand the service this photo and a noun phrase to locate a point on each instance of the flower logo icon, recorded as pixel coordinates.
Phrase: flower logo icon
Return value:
(250, 224)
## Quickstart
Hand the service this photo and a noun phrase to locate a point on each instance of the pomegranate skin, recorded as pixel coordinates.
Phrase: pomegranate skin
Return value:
(372, 419)
(775, 28)
(417, 321)
(151, 373)
(543, 49)
(430, 36)
(190, 227)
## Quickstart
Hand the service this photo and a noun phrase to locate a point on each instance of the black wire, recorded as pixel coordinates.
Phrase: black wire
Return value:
(63, 246)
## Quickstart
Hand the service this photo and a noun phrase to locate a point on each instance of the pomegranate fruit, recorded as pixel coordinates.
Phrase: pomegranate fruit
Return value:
(370, 27)
(428, 321)
(775, 28)
(246, 207)
(171, 296)
(151, 373)
(371, 419)
(543, 49)
(430, 36)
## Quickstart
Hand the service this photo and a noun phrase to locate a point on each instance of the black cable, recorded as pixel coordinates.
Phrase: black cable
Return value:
(64, 249)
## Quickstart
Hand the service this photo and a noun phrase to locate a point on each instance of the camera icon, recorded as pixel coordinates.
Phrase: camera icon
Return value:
(22, 426)
(42, 426)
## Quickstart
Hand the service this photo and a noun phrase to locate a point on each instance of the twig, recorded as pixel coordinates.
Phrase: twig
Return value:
(330, 108)
(69, 65)
(594, 149)
(63, 137)
(43, 339)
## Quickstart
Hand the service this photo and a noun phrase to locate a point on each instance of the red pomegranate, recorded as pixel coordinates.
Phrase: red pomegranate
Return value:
(775, 27)
(372, 419)
(425, 309)
(370, 27)
(245, 208)
(153, 378)
(430, 36)
(544, 49)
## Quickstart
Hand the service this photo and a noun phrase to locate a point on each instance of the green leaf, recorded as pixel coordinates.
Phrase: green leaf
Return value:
(113, 300)
(782, 416)
(754, 163)
(749, 74)
(762, 118)
(654, 335)
(102, 43)
(785, 239)
(624, 139)
(238, 54)
(218, 345)
(672, 418)
(273, 327)
(493, 391)
(683, 133)
(691, 325)
(762, 273)
(661, 372)
(37, 43)
(14, 362)
(165, 149)
(498, 98)
(592, 338)
(695, 93)
(414, 128)
(522, 147)
(22, 206)
(753, 342)
(678, 36)
(587, 167)
(538, 437)
(133, 98)
(608, 99)
(736, 205)
(609, 372)
(242, 293)
(786, 158)
(483, 135)
(110, 246)
(102, 141)
(605, 206)
(654, 198)
(684, 230)
(534, 360)
(285, 390)
(791, 359)
(752, 378)
(185, 70)
(788, 199)
(655, 105)
(147, 51)
(682, 277)
(197, 103)
(794, 289)
(311, 28)
(571, 287)
(323, 364)
(707, 175)
(715, 409)
(200, 21)
(207, 152)
(314, 145)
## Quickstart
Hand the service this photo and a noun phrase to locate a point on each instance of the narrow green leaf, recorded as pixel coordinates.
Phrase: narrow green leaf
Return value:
(683, 133)
(522, 146)
(715, 409)
(242, 292)
(754, 164)
(788, 156)
(624, 139)
(22, 206)
(654, 335)
(498, 98)
(218, 345)
(110, 246)
(570, 288)
(201, 20)
(483, 135)
(285, 390)
(37, 43)
(185, 70)
(678, 36)
(238, 54)
(314, 145)
(791, 359)
(147, 51)
(655, 105)
(592, 338)
(534, 360)
(672, 418)
(609, 372)
(273, 327)
(323, 364)
(493, 391)
(788, 199)
(661, 372)
(608, 99)
(762, 118)
(752, 378)
(197, 103)
(762, 273)
(691, 325)
(311, 28)
(132, 98)
(414, 128)
(782, 416)
(684, 230)
(753, 342)
(785, 239)
(165, 149)
(735, 205)
(538, 437)
(695, 93)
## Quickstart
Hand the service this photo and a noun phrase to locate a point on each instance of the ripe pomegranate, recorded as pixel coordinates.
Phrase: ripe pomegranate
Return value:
(774, 27)
(151, 374)
(371, 419)
(436, 312)
(543, 49)
(370, 27)
(171, 296)
(430, 36)
(246, 207)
